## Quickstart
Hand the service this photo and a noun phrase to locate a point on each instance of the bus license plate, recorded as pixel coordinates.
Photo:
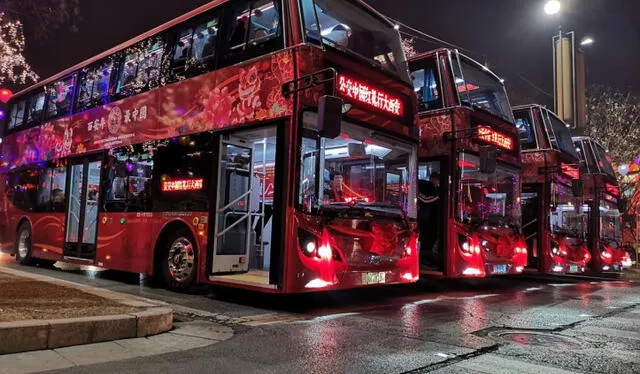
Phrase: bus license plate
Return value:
(373, 278)
(499, 269)
(573, 268)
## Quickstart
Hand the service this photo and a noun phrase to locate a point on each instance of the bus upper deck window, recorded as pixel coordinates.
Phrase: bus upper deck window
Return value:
(255, 24)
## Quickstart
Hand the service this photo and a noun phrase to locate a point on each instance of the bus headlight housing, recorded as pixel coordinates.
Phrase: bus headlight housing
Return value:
(308, 243)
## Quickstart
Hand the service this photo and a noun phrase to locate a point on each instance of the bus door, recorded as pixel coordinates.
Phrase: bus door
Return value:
(83, 191)
(232, 237)
(531, 205)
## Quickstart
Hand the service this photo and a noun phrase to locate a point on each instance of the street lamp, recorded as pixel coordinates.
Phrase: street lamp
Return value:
(586, 41)
(552, 7)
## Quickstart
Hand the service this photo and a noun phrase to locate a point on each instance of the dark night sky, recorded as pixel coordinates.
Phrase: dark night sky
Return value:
(514, 36)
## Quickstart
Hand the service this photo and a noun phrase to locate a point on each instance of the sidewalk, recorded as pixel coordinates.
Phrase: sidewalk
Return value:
(47, 323)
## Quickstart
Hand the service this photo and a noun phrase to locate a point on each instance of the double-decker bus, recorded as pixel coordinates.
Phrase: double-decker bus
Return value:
(552, 219)
(469, 169)
(263, 144)
(601, 207)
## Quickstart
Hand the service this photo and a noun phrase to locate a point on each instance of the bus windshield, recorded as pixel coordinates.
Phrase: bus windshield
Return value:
(362, 172)
(560, 135)
(480, 88)
(347, 26)
(487, 199)
(604, 162)
(564, 217)
(526, 129)
(609, 222)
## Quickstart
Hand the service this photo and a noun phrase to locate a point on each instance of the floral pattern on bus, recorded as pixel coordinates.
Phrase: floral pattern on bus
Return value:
(231, 96)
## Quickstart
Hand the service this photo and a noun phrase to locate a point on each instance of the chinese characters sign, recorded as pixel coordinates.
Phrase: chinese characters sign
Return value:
(182, 185)
(570, 170)
(365, 94)
(491, 136)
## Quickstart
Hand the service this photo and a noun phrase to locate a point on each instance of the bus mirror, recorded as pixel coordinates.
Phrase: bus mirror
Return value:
(329, 116)
(357, 150)
(488, 159)
(577, 187)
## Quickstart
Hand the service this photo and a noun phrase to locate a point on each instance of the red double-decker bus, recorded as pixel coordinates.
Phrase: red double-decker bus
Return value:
(600, 207)
(469, 169)
(553, 222)
(264, 144)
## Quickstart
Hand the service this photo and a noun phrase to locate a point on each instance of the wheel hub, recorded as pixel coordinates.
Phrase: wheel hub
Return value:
(23, 244)
(181, 259)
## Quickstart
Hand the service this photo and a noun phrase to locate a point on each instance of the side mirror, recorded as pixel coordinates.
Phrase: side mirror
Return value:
(488, 159)
(577, 187)
(330, 116)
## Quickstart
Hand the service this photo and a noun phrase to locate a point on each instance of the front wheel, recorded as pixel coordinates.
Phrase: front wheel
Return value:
(23, 245)
(179, 261)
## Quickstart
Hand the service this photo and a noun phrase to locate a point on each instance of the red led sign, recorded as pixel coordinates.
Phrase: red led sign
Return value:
(570, 170)
(491, 136)
(612, 190)
(182, 185)
(365, 94)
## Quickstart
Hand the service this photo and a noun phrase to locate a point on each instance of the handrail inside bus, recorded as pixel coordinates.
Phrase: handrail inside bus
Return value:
(248, 193)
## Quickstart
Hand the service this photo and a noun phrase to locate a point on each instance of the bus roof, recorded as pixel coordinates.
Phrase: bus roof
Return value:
(125, 45)
(156, 30)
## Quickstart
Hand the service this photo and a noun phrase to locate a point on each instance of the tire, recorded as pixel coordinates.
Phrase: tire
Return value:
(22, 246)
(179, 260)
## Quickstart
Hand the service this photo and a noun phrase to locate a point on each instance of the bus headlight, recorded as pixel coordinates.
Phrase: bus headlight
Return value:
(308, 243)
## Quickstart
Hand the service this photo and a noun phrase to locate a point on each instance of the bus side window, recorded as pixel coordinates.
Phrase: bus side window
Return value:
(194, 51)
(141, 67)
(59, 97)
(25, 183)
(127, 182)
(255, 29)
(95, 84)
(44, 190)
(35, 108)
(16, 118)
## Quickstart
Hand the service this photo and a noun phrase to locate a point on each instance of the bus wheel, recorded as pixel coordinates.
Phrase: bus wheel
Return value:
(23, 245)
(179, 261)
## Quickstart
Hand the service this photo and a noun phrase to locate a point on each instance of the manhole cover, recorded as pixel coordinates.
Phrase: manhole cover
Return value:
(537, 338)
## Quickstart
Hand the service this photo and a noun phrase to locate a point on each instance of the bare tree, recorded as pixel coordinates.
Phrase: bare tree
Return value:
(613, 119)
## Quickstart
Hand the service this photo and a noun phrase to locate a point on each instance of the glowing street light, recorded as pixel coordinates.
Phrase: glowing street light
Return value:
(586, 41)
(552, 7)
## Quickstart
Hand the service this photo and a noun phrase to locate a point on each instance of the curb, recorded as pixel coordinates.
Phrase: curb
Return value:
(32, 335)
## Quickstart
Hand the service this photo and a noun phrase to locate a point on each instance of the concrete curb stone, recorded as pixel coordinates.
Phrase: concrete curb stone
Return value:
(32, 335)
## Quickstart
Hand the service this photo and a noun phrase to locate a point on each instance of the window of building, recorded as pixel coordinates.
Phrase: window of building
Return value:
(94, 85)
(128, 178)
(60, 97)
(16, 117)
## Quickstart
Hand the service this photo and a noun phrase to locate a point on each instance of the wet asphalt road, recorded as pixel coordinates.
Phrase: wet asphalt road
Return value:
(500, 325)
